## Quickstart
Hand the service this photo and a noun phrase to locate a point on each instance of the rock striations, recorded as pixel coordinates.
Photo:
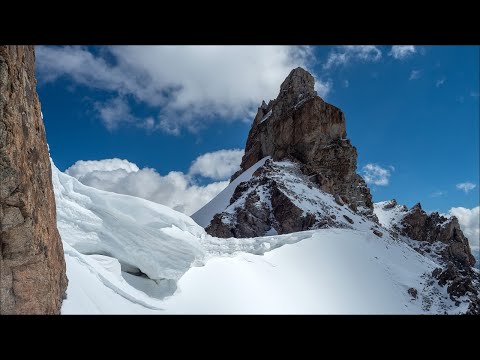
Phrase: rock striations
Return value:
(420, 226)
(299, 125)
(299, 128)
(32, 265)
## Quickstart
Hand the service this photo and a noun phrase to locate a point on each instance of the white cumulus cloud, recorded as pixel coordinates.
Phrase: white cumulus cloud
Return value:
(217, 165)
(402, 51)
(84, 168)
(377, 175)
(186, 86)
(343, 55)
(176, 189)
(466, 186)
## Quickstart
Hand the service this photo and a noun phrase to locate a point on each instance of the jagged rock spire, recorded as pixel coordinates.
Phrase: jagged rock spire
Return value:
(300, 124)
(298, 84)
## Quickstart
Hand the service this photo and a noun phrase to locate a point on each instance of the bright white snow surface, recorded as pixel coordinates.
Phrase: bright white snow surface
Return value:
(142, 235)
(389, 217)
(126, 255)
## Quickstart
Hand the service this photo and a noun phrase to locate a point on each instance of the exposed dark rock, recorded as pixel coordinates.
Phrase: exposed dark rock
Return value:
(269, 201)
(32, 265)
(348, 219)
(418, 225)
(413, 293)
(301, 125)
(436, 273)
(460, 283)
(378, 233)
(390, 205)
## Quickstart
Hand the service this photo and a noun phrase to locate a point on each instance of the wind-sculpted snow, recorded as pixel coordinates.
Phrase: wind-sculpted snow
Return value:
(94, 289)
(160, 242)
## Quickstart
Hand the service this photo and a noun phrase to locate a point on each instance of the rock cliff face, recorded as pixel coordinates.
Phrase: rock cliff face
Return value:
(427, 229)
(420, 226)
(32, 265)
(300, 125)
(279, 199)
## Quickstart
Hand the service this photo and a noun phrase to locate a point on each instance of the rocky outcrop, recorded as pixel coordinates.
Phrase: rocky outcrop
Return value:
(455, 253)
(300, 124)
(418, 225)
(32, 265)
(279, 199)
(439, 238)
(461, 283)
(299, 128)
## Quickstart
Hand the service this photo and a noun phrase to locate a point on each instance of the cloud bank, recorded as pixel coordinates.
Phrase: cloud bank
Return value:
(186, 86)
(177, 190)
(217, 165)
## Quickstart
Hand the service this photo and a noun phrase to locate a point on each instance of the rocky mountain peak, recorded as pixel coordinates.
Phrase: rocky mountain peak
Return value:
(417, 207)
(302, 130)
(300, 126)
(298, 85)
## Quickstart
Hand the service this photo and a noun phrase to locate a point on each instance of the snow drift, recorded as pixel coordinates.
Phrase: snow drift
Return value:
(127, 255)
(143, 236)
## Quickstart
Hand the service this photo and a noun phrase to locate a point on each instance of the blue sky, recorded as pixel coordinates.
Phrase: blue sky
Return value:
(412, 112)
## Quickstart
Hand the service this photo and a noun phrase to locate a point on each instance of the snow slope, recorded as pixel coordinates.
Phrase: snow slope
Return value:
(144, 236)
(334, 271)
(126, 255)
(389, 214)
(222, 200)
(321, 272)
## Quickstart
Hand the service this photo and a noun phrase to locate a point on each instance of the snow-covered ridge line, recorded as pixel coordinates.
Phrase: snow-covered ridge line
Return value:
(222, 200)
